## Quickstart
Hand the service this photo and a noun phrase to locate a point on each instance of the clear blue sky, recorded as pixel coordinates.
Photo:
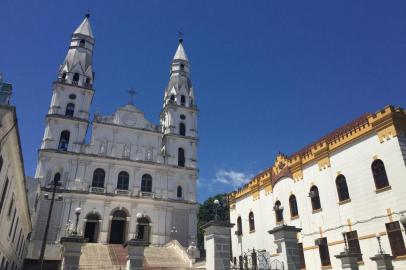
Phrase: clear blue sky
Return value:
(269, 76)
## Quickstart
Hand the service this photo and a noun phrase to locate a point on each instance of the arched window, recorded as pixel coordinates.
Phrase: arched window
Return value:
(181, 157)
(87, 83)
(63, 76)
(183, 100)
(146, 183)
(315, 198)
(179, 192)
(82, 43)
(75, 78)
(278, 211)
(172, 97)
(239, 226)
(191, 102)
(57, 178)
(342, 188)
(64, 141)
(379, 173)
(98, 178)
(251, 221)
(122, 181)
(294, 212)
(182, 129)
(70, 109)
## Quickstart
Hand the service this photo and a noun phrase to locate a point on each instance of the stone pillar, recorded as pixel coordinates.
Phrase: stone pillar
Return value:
(72, 249)
(383, 261)
(217, 244)
(348, 260)
(286, 238)
(136, 254)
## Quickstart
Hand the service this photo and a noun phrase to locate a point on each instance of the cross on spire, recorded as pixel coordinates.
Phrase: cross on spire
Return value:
(87, 14)
(131, 92)
(180, 34)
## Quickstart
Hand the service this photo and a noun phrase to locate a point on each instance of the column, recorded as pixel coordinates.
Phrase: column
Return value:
(348, 260)
(217, 244)
(72, 249)
(383, 261)
(286, 238)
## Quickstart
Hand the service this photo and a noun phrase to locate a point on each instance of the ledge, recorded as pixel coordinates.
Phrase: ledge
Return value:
(400, 258)
(252, 231)
(344, 201)
(327, 267)
(383, 189)
(317, 211)
(294, 217)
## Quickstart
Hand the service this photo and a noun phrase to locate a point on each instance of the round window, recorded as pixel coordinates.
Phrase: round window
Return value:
(182, 116)
(72, 96)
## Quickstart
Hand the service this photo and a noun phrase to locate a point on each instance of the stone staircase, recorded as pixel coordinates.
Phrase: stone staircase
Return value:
(114, 257)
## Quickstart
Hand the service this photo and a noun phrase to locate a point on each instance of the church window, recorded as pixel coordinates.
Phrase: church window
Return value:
(122, 181)
(72, 96)
(146, 183)
(82, 43)
(3, 194)
(251, 221)
(395, 238)
(379, 173)
(294, 212)
(64, 140)
(182, 66)
(315, 198)
(181, 157)
(278, 211)
(182, 129)
(70, 109)
(12, 222)
(172, 97)
(182, 116)
(323, 251)
(342, 188)
(353, 244)
(183, 100)
(98, 178)
(75, 79)
(239, 226)
(1, 162)
(179, 192)
(63, 77)
(191, 101)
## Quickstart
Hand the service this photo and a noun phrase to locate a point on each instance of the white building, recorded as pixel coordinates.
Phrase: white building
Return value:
(15, 222)
(351, 181)
(133, 177)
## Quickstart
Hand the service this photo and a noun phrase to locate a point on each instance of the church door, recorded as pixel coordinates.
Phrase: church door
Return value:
(91, 230)
(118, 227)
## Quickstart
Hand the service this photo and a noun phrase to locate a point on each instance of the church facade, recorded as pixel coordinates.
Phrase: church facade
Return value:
(134, 178)
(350, 182)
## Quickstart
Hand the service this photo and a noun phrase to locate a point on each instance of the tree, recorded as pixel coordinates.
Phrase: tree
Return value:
(207, 213)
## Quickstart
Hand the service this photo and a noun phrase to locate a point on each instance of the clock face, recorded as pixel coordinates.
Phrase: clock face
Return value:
(129, 120)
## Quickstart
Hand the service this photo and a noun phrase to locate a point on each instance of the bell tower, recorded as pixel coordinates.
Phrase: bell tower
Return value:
(179, 115)
(68, 115)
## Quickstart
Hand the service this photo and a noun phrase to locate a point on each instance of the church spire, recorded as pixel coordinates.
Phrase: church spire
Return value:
(77, 69)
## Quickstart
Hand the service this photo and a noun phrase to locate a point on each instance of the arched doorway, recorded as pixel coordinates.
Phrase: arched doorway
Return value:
(118, 227)
(92, 227)
(143, 228)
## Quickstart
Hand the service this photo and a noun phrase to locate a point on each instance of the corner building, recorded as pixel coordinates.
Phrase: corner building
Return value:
(351, 181)
(133, 177)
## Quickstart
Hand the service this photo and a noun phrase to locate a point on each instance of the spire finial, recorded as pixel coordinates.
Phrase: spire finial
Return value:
(180, 34)
(87, 14)
(131, 92)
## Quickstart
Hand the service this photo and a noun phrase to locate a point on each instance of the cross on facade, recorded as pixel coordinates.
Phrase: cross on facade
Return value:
(132, 93)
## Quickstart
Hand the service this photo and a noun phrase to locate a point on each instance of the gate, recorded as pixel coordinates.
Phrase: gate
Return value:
(257, 260)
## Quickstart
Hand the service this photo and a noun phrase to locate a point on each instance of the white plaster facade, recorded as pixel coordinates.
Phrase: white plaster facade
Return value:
(367, 211)
(122, 142)
(15, 222)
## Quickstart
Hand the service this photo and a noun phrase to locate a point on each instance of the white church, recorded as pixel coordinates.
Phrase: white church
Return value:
(133, 176)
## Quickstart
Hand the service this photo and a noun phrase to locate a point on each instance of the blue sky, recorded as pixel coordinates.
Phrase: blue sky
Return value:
(269, 75)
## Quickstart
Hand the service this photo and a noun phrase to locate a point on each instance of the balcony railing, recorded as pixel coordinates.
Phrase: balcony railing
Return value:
(124, 192)
(97, 189)
(147, 194)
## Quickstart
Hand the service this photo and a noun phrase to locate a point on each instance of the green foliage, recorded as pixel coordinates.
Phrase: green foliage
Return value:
(207, 213)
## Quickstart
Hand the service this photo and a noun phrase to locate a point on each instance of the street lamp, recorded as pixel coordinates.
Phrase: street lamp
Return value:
(77, 213)
(174, 231)
(216, 205)
(46, 197)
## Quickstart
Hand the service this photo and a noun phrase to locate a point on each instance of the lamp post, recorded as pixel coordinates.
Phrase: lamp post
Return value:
(44, 240)
(77, 213)
(216, 205)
